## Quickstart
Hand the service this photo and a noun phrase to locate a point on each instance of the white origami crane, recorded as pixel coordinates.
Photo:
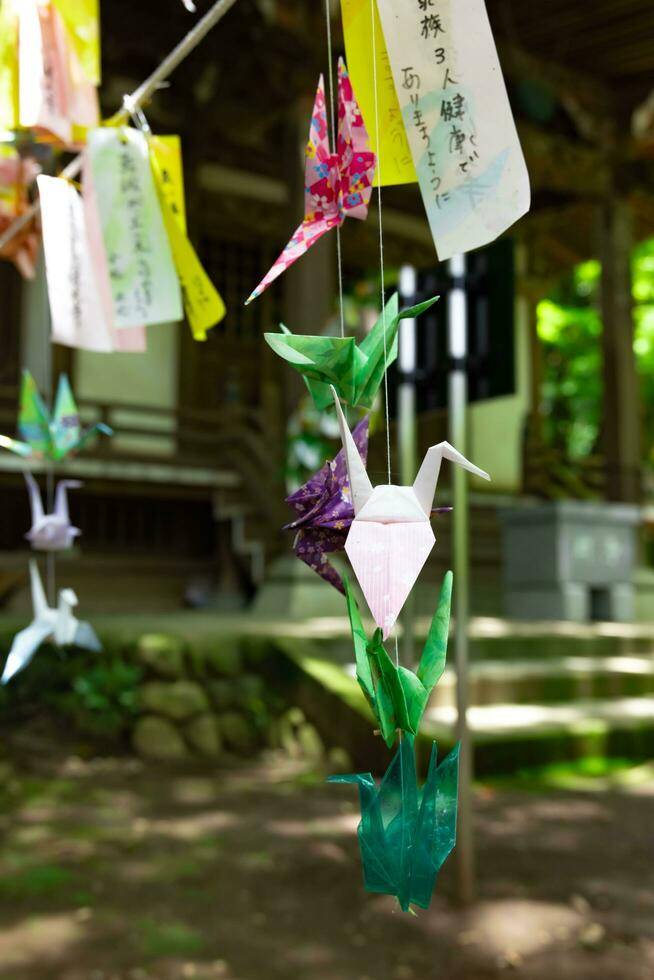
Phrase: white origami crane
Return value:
(58, 625)
(51, 532)
(391, 537)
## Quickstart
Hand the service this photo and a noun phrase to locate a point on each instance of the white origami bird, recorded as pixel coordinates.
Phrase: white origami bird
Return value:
(51, 532)
(391, 536)
(58, 625)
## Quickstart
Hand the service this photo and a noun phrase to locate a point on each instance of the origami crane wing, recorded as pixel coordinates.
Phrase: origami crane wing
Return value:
(66, 427)
(321, 212)
(36, 503)
(379, 353)
(355, 159)
(325, 512)
(336, 184)
(321, 361)
(39, 602)
(23, 648)
(86, 637)
(27, 642)
(33, 421)
(320, 173)
(360, 486)
(435, 835)
(406, 832)
(396, 695)
(325, 500)
(426, 481)
(61, 498)
(432, 662)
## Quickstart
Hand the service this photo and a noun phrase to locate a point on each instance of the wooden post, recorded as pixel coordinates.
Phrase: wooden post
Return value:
(621, 420)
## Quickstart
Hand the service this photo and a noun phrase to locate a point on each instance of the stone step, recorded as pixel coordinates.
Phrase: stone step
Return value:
(557, 679)
(507, 737)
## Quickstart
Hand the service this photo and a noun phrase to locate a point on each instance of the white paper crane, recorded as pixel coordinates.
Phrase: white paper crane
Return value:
(391, 536)
(51, 532)
(58, 625)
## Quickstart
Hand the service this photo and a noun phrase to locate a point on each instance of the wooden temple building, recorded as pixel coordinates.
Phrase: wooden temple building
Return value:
(187, 498)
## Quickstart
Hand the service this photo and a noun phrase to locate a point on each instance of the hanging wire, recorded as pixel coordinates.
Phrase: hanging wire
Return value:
(382, 280)
(332, 113)
(50, 561)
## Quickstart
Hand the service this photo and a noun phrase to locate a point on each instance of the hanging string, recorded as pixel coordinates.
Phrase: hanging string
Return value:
(332, 113)
(382, 281)
(50, 561)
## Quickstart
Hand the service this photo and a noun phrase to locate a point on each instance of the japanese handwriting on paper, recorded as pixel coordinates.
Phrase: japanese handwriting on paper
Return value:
(457, 118)
(130, 188)
(454, 109)
(75, 274)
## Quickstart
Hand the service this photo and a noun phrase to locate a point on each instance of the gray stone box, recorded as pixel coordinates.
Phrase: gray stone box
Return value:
(570, 560)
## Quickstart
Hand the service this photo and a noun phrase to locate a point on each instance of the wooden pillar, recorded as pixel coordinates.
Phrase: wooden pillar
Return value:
(621, 402)
(530, 290)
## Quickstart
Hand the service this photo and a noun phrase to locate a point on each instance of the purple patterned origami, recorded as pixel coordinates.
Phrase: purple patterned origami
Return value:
(325, 512)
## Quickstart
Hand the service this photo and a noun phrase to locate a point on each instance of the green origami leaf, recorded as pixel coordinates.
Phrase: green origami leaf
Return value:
(398, 696)
(355, 371)
(406, 832)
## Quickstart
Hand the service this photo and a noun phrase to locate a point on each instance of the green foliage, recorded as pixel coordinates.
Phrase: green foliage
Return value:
(570, 327)
(104, 696)
(157, 939)
(36, 882)
(96, 692)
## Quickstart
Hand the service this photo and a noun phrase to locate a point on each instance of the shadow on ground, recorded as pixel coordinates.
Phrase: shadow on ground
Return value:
(112, 871)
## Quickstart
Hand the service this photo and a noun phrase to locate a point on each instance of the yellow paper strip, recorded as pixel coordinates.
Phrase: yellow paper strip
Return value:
(394, 154)
(167, 154)
(82, 20)
(8, 67)
(203, 304)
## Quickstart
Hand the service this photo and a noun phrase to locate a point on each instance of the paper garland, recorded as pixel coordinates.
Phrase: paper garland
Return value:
(117, 256)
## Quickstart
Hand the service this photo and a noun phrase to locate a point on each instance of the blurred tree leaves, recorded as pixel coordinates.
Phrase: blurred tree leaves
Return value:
(570, 328)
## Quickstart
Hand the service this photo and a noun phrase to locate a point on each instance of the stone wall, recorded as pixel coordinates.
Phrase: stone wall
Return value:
(209, 701)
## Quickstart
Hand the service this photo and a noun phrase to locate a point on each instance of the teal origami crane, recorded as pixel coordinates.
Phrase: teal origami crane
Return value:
(397, 696)
(49, 435)
(355, 370)
(406, 832)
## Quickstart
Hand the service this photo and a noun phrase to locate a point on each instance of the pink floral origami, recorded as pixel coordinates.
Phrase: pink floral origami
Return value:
(337, 185)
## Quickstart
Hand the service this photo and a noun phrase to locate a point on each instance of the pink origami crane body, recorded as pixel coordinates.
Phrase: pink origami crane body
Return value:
(391, 537)
(337, 185)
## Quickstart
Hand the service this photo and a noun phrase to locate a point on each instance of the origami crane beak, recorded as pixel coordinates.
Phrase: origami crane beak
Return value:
(360, 485)
(427, 478)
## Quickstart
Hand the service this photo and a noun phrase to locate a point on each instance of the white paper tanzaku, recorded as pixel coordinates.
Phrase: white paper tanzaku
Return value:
(144, 284)
(455, 107)
(75, 305)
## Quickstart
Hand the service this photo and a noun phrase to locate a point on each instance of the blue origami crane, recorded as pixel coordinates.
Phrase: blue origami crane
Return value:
(406, 832)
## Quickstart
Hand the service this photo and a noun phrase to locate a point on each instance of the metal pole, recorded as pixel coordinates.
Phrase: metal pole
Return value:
(407, 435)
(457, 403)
(140, 95)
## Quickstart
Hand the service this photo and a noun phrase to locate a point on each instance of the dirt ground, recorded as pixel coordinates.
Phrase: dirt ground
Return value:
(113, 871)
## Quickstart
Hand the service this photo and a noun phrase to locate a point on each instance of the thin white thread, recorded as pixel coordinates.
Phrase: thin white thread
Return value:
(381, 236)
(332, 113)
(382, 282)
(50, 561)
